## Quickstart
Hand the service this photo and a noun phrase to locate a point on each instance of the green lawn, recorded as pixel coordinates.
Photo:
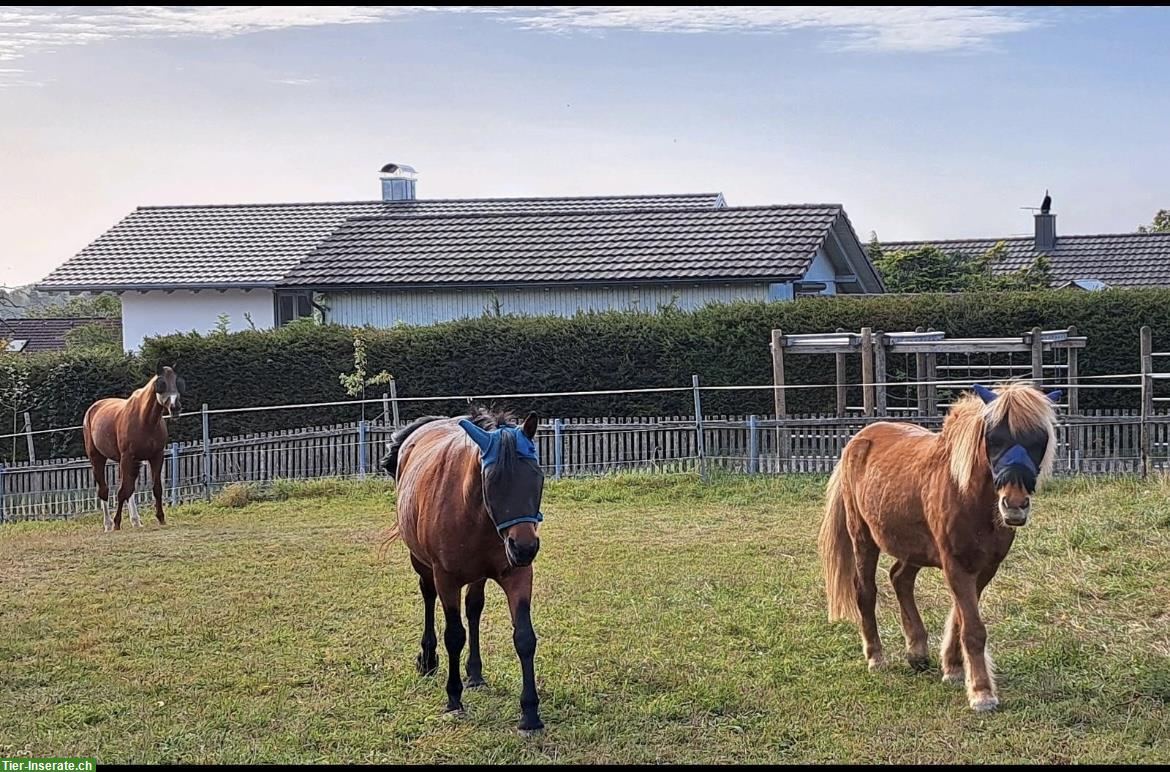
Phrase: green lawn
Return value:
(677, 622)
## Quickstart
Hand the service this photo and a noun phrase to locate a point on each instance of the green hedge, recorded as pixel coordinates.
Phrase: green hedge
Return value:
(724, 344)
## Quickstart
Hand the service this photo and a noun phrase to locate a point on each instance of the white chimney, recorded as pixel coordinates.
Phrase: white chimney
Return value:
(398, 182)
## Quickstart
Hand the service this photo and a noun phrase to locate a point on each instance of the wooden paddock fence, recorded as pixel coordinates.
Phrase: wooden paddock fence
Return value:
(1101, 442)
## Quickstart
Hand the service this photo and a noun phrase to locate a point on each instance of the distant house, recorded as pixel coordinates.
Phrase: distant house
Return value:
(401, 259)
(35, 336)
(1086, 262)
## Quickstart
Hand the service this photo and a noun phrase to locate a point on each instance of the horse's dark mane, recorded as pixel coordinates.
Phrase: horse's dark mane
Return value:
(489, 418)
(390, 460)
(486, 418)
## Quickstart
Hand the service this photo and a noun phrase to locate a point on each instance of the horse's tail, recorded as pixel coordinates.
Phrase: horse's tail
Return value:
(836, 547)
(389, 536)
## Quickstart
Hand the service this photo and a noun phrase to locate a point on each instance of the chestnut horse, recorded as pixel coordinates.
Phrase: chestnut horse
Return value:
(469, 495)
(950, 500)
(130, 431)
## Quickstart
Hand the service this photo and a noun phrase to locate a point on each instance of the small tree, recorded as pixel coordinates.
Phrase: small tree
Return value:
(108, 306)
(223, 325)
(1160, 223)
(355, 383)
(93, 336)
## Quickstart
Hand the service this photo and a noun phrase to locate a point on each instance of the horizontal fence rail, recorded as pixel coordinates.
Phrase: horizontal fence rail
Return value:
(1094, 442)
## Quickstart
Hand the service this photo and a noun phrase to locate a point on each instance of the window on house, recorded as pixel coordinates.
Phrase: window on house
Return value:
(293, 305)
(17, 345)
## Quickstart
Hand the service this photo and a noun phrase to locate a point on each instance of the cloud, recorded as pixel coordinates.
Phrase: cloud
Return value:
(297, 81)
(889, 28)
(27, 30)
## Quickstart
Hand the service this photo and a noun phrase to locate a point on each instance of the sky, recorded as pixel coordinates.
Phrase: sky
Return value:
(924, 122)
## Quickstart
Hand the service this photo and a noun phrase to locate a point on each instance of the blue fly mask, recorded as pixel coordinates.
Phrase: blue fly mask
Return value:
(1008, 456)
(508, 485)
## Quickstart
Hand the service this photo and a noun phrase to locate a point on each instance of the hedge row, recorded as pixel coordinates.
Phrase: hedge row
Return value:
(723, 344)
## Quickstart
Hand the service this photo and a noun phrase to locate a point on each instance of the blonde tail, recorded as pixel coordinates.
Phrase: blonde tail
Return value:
(389, 536)
(836, 548)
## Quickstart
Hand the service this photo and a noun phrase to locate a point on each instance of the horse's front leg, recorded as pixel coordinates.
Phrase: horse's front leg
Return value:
(156, 472)
(474, 612)
(951, 652)
(518, 587)
(454, 636)
(973, 637)
(128, 474)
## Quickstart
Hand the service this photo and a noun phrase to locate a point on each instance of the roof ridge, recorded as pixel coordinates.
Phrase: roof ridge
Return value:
(502, 199)
(586, 212)
(1165, 234)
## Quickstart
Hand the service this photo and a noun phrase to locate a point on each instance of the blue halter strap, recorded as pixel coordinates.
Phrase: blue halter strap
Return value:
(489, 444)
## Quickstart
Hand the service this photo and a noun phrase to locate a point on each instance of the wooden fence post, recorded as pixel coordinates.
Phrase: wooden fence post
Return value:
(361, 450)
(879, 372)
(32, 449)
(867, 399)
(3, 495)
(753, 445)
(206, 454)
(1037, 357)
(920, 376)
(780, 396)
(385, 409)
(558, 448)
(174, 474)
(1147, 362)
(394, 401)
(699, 429)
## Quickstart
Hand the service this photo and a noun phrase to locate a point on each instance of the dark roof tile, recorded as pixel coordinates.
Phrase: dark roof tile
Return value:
(775, 242)
(256, 244)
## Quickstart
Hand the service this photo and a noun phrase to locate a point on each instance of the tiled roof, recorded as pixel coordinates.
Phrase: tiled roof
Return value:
(1119, 260)
(49, 334)
(252, 245)
(775, 242)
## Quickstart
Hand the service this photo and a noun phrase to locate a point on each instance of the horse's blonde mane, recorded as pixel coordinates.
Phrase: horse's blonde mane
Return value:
(1023, 407)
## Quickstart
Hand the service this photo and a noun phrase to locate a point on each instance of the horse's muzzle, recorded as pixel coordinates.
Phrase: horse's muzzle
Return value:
(1014, 516)
(521, 555)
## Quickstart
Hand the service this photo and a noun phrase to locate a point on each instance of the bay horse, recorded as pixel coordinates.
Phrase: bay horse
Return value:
(950, 500)
(130, 431)
(469, 492)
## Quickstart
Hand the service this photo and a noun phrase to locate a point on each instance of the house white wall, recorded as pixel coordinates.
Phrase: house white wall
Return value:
(145, 314)
(822, 269)
(385, 309)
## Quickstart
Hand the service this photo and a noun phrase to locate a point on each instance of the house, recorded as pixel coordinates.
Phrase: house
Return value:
(35, 336)
(1086, 262)
(402, 259)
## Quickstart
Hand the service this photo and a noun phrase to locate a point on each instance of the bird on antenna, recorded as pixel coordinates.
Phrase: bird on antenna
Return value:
(1046, 204)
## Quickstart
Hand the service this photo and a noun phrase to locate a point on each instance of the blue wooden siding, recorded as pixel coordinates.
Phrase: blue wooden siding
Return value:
(384, 309)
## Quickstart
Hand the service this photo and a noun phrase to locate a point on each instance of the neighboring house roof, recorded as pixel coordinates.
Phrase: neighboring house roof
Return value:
(254, 245)
(775, 243)
(1118, 260)
(49, 334)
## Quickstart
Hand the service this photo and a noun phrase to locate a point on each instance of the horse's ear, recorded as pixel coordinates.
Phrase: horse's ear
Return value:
(529, 426)
(477, 435)
(1054, 396)
(987, 395)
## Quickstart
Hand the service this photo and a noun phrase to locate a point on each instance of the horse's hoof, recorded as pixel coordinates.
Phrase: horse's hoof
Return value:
(983, 702)
(455, 712)
(918, 663)
(474, 682)
(531, 728)
(426, 666)
(953, 677)
(877, 663)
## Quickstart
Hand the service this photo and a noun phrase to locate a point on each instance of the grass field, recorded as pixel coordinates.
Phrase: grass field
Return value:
(677, 622)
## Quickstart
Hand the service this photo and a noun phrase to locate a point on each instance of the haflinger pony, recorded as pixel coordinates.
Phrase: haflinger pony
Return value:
(469, 493)
(130, 431)
(951, 500)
